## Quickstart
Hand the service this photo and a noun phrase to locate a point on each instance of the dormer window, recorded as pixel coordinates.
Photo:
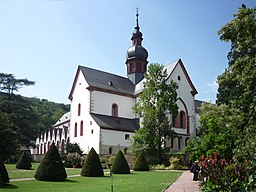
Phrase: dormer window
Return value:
(114, 110)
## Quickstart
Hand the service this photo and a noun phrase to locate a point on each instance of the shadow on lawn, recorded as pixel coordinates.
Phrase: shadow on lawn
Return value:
(70, 181)
(8, 186)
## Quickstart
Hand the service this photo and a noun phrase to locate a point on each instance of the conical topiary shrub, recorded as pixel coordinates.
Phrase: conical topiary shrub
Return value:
(92, 166)
(120, 165)
(4, 177)
(51, 167)
(24, 162)
(140, 163)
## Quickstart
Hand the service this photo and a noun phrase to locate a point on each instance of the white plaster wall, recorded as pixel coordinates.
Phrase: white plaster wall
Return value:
(102, 104)
(184, 92)
(115, 138)
(82, 95)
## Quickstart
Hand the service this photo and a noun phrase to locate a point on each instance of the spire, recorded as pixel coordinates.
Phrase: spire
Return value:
(136, 57)
(137, 35)
(137, 19)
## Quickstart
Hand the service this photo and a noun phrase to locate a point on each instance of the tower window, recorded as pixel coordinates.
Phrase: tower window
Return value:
(139, 68)
(114, 110)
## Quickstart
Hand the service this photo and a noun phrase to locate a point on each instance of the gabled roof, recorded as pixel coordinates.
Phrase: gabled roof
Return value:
(64, 119)
(104, 81)
(116, 123)
(198, 105)
(169, 70)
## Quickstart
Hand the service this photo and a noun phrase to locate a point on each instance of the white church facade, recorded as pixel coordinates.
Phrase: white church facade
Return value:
(101, 113)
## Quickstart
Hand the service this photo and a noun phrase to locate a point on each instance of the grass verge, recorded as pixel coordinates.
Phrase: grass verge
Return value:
(153, 181)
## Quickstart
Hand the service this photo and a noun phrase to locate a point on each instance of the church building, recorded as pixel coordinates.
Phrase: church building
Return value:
(101, 113)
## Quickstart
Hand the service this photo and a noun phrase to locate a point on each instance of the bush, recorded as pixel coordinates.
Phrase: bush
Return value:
(4, 177)
(74, 159)
(120, 165)
(140, 163)
(92, 166)
(24, 161)
(51, 167)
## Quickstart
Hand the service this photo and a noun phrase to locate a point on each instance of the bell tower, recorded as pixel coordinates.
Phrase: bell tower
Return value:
(136, 57)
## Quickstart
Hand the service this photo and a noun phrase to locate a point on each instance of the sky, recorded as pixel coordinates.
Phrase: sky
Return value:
(45, 40)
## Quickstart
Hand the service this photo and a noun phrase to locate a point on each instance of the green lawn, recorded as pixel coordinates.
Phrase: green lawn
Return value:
(20, 173)
(153, 181)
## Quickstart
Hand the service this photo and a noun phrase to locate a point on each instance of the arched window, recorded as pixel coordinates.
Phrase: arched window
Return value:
(179, 142)
(79, 109)
(110, 150)
(75, 132)
(125, 150)
(186, 141)
(81, 128)
(171, 142)
(139, 67)
(114, 110)
(182, 119)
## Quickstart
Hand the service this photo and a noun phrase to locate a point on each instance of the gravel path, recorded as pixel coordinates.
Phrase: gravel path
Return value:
(184, 183)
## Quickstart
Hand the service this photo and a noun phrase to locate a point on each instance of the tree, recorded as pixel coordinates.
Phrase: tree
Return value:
(217, 132)
(9, 83)
(24, 161)
(74, 148)
(141, 163)
(4, 177)
(51, 167)
(22, 116)
(156, 103)
(120, 165)
(92, 166)
(8, 135)
(237, 87)
(230, 127)
(237, 84)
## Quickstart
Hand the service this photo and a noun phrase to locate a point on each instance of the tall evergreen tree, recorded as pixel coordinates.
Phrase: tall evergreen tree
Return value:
(141, 163)
(4, 177)
(120, 165)
(51, 167)
(92, 166)
(24, 161)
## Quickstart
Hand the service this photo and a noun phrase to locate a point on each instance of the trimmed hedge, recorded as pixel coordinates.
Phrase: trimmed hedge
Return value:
(92, 166)
(4, 177)
(141, 163)
(24, 162)
(120, 165)
(51, 167)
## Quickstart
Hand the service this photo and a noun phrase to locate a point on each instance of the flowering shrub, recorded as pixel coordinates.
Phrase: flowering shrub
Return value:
(75, 159)
(221, 175)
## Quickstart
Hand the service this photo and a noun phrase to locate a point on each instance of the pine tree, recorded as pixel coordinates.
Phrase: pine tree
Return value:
(120, 165)
(51, 167)
(141, 163)
(4, 177)
(92, 166)
(24, 162)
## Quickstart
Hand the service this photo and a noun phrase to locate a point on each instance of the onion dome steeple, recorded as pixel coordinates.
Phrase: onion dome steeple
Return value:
(136, 57)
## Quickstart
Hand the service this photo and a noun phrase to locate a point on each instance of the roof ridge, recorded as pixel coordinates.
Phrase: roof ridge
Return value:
(103, 72)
